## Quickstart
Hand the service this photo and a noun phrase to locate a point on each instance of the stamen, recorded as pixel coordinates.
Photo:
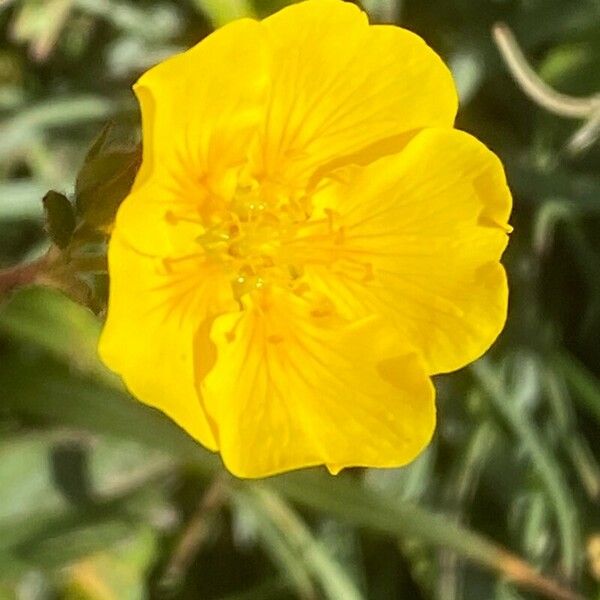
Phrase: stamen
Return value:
(264, 237)
(232, 333)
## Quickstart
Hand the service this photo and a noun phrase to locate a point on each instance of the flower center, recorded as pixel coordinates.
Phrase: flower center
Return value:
(251, 238)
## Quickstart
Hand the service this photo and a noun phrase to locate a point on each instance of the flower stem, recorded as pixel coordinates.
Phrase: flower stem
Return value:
(50, 269)
(23, 274)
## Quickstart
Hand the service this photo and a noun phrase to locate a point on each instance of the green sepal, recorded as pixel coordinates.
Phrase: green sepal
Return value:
(104, 180)
(99, 142)
(60, 218)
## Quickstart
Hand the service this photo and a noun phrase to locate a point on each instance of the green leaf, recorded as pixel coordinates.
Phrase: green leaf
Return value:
(585, 385)
(151, 21)
(63, 542)
(347, 499)
(264, 8)
(43, 526)
(544, 461)
(405, 483)
(383, 11)
(119, 573)
(276, 545)
(306, 552)
(48, 390)
(40, 24)
(60, 218)
(271, 589)
(221, 12)
(27, 487)
(65, 381)
(21, 199)
(53, 322)
(19, 130)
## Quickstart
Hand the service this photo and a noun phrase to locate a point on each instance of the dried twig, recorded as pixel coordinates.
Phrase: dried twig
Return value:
(531, 83)
(194, 535)
(586, 108)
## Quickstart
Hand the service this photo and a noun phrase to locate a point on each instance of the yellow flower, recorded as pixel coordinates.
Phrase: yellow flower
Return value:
(308, 241)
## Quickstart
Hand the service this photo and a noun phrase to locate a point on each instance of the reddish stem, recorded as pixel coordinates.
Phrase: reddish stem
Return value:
(21, 275)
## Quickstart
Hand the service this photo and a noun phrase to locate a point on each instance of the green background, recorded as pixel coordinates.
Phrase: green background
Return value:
(101, 497)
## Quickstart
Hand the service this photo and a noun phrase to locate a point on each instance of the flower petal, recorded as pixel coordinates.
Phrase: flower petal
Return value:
(340, 85)
(201, 108)
(159, 219)
(423, 232)
(293, 388)
(156, 332)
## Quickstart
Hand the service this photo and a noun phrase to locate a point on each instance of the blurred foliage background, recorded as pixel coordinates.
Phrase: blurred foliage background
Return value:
(102, 498)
